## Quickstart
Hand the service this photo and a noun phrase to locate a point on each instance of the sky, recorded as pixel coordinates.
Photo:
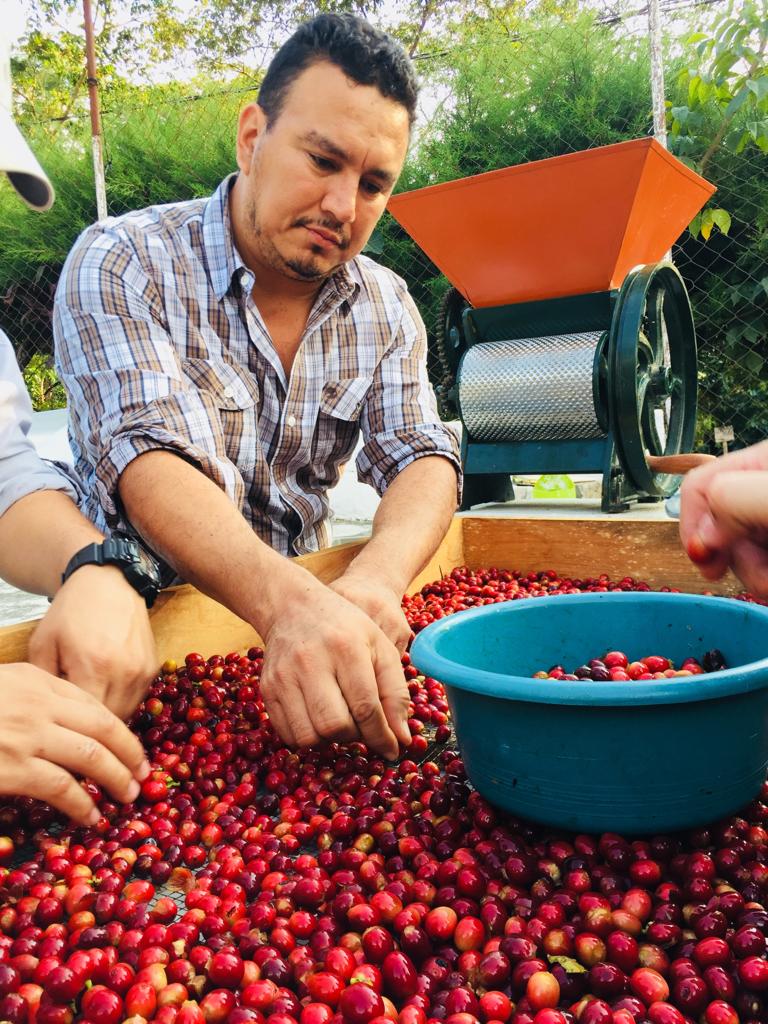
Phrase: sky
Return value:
(14, 18)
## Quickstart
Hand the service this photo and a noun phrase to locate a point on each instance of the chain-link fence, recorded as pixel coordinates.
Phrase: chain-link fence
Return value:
(497, 97)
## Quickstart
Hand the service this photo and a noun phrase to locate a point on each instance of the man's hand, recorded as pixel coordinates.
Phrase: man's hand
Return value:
(379, 602)
(724, 517)
(97, 634)
(331, 673)
(51, 728)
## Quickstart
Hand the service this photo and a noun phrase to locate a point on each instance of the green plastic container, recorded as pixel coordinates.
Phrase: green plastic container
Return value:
(633, 757)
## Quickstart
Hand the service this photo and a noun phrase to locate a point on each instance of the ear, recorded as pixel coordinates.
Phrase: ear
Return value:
(251, 125)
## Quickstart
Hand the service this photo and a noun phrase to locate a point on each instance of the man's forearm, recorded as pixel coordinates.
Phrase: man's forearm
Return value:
(39, 533)
(192, 524)
(410, 522)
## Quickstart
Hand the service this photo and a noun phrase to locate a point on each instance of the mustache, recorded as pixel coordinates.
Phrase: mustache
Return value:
(327, 224)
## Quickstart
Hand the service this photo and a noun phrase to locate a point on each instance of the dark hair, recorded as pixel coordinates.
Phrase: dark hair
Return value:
(365, 54)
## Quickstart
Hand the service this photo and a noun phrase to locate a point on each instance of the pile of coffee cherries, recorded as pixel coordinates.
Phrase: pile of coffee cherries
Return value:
(250, 882)
(616, 667)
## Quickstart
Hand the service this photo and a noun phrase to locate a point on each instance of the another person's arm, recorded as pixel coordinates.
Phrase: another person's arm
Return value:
(724, 517)
(96, 630)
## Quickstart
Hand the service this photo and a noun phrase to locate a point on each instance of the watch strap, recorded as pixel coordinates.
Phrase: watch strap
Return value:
(124, 554)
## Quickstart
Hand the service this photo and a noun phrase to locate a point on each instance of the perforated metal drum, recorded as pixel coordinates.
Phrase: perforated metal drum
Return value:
(530, 389)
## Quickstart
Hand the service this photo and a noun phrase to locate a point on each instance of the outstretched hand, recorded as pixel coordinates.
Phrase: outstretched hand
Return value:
(331, 673)
(724, 517)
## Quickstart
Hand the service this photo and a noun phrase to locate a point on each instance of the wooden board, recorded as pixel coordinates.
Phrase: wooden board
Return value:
(646, 550)
(184, 620)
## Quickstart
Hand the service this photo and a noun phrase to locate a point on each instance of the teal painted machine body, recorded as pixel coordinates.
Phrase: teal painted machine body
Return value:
(635, 382)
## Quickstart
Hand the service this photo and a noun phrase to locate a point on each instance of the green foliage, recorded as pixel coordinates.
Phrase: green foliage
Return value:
(162, 144)
(725, 87)
(171, 143)
(43, 385)
(719, 126)
(508, 81)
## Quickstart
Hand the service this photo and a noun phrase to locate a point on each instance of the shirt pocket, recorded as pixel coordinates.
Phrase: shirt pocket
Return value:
(230, 388)
(235, 393)
(343, 399)
(338, 424)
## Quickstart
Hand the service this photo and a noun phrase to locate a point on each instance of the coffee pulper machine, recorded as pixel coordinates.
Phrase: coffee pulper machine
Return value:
(566, 343)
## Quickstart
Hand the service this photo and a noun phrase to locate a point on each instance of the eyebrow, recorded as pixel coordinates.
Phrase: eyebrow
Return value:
(314, 138)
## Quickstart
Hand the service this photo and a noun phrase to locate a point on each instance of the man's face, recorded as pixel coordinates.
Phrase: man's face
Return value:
(316, 180)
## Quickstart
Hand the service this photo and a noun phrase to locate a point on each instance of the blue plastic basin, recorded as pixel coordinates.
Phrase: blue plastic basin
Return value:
(633, 757)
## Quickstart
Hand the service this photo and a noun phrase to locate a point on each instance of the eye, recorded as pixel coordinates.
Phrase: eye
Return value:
(371, 188)
(322, 162)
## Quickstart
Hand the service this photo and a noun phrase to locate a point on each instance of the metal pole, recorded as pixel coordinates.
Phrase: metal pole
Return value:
(93, 101)
(657, 73)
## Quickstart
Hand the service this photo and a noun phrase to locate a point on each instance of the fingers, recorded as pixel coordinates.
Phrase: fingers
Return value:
(293, 712)
(64, 688)
(86, 756)
(398, 631)
(750, 563)
(693, 502)
(306, 707)
(393, 691)
(739, 504)
(94, 721)
(309, 699)
(51, 783)
(358, 683)
(275, 710)
(724, 521)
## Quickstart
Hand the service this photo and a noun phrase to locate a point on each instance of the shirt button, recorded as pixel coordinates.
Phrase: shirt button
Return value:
(291, 421)
(229, 392)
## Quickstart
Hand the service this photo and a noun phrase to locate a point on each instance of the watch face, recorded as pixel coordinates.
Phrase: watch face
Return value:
(149, 566)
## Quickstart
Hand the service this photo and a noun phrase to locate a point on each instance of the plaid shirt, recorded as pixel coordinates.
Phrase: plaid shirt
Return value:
(160, 346)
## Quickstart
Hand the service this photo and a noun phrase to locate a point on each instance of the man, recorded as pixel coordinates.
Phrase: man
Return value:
(96, 635)
(724, 517)
(222, 356)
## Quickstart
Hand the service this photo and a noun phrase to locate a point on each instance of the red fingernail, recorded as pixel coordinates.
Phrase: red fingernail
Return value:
(698, 551)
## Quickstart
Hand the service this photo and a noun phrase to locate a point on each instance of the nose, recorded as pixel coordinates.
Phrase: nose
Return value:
(340, 199)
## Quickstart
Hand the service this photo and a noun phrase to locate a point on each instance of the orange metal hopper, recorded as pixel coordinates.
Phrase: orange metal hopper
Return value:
(565, 226)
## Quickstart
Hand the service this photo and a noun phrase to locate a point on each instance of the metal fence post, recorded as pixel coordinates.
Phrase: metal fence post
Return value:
(93, 102)
(657, 73)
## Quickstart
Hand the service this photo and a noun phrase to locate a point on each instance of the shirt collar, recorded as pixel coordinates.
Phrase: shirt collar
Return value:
(222, 257)
(225, 262)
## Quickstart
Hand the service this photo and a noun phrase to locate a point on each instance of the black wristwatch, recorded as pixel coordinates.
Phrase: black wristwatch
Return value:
(138, 567)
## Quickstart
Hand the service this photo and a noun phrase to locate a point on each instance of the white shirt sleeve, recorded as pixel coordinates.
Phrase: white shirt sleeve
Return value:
(22, 471)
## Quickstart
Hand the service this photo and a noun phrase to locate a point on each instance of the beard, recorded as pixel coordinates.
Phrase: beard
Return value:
(309, 267)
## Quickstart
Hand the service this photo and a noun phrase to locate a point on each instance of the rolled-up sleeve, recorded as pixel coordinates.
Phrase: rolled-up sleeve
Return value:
(22, 471)
(399, 420)
(128, 394)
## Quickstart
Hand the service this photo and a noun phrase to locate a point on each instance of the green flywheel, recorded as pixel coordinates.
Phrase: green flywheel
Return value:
(652, 374)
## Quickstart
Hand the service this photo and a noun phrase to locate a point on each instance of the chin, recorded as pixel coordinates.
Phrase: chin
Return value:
(313, 266)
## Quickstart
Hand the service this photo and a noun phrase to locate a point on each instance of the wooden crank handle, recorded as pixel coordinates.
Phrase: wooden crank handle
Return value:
(677, 464)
